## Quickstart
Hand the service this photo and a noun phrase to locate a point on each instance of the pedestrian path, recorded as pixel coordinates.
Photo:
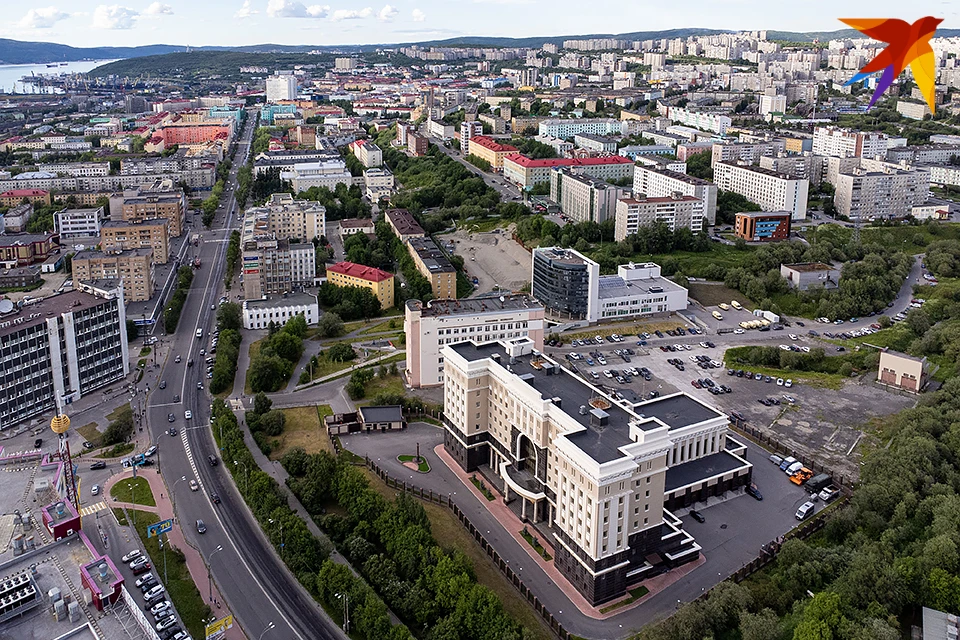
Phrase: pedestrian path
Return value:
(92, 509)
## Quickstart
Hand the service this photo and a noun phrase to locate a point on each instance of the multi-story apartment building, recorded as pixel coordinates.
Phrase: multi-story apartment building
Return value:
(583, 198)
(657, 182)
(14, 197)
(573, 126)
(431, 325)
(281, 87)
(746, 152)
(377, 183)
(133, 266)
(369, 154)
(497, 125)
(528, 172)
(602, 475)
(469, 129)
(661, 162)
(913, 110)
(286, 158)
(771, 190)
(570, 286)
(490, 150)
(923, 154)
(714, 122)
(417, 144)
(120, 235)
(403, 224)
(677, 212)
(592, 142)
(943, 175)
(807, 166)
(15, 220)
(349, 274)
(286, 218)
(322, 173)
(848, 143)
(276, 266)
(76, 169)
(763, 226)
(61, 348)
(880, 190)
(159, 200)
(435, 267)
(78, 223)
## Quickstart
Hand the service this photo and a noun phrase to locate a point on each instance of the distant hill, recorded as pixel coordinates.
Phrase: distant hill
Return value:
(824, 36)
(19, 52)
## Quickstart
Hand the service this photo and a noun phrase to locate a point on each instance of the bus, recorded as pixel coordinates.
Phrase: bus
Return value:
(718, 315)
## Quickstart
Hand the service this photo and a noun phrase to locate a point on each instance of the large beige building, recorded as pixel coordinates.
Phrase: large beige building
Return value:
(431, 325)
(658, 182)
(403, 224)
(286, 218)
(602, 474)
(161, 200)
(771, 190)
(677, 212)
(490, 150)
(902, 370)
(147, 234)
(877, 189)
(133, 266)
(435, 267)
(583, 198)
(350, 274)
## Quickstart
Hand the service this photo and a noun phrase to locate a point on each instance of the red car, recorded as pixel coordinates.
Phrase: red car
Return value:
(696, 384)
(143, 568)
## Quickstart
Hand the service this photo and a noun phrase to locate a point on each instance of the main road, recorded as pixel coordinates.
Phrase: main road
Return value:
(257, 587)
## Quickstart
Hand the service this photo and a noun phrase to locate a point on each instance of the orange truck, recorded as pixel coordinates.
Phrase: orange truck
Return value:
(801, 476)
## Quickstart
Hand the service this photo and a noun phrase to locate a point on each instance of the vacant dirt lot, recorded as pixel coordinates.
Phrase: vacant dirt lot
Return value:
(494, 258)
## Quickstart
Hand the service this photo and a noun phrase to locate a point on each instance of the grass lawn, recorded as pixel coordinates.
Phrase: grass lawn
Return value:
(181, 590)
(481, 225)
(254, 350)
(635, 594)
(119, 411)
(450, 534)
(390, 384)
(422, 466)
(141, 493)
(694, 264)
(382, 327)
(303, 428)
(711, 294)
(903, 238)
(90, 433)
(117, 451)
(811, 378)
(325, 367)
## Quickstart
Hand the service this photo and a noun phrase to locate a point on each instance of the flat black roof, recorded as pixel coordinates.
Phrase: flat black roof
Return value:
(688, 473)
(677, 411)
(391, 413)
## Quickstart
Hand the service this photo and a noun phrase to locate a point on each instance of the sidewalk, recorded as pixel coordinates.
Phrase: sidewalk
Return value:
(164, 509)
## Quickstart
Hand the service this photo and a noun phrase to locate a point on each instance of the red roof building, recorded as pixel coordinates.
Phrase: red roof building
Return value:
(490, 150)
(349, 274)
(15, 196)
(527, 172)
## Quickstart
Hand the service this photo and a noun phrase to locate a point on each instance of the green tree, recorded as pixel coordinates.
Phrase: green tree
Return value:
(261, 403)
(330, 325)
(341, 352)
(230, 316)
(133, 331)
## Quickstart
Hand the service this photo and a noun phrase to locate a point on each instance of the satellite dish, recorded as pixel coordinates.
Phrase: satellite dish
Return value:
(6, 306)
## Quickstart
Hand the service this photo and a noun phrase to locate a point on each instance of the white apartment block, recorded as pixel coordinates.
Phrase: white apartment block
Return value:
(258, 314)
(79, 223)
(847, 143)
(877, 190)
(583, 198)
(772, 191)
(746, 152)
(807, 166)
(706, 121)
(591, 142)
(469, 129)
(377, 183)
(281, 88)
(656, 182)
(930, 153)
(944, 175)
(913, 110)
(367, 153)
(303, 265)
(323, 173)
(559, 145)
(77, 169)
(662, 162)
(285, 218)
(772, 104)
(677, 212)
(439, 129)
(431, 325)
(601, 473)
(569, 128)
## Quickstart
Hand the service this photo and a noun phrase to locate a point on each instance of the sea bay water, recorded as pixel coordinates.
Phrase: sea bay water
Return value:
(10, 74)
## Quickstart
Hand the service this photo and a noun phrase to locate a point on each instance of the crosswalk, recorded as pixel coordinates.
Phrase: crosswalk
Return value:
(193, 464)
(92, 509)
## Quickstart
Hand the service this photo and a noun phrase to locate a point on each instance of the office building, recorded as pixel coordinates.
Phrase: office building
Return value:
(276, 266)
(714, 122)
(258, 314)
(78, 223)
(469, 129)
(880, 190)
(62, 347)
(133, 266)
(349, 274)
(434, 265)
(120, 235)
(528, 172)
(602, 475)
(849, 143)
(403, 224)
(663, 183)
(367, 153)
(583, 198)
(490, 150)
(321, 173)
(805, 275)
(431, 325)
(568, 128)
(280, 88)
(570, 286)
(159, 200)
(286, 218)
(772, 191)
(677, 212)
(763, 226)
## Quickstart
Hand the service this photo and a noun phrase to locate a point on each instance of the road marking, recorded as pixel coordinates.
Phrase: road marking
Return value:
(92, 509)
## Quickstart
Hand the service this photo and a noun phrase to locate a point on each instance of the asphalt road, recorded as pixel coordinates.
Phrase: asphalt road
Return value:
(257, 587)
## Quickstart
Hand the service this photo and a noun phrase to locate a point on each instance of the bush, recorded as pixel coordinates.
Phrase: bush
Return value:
(120, 429)
(341, 352)
(279, 354)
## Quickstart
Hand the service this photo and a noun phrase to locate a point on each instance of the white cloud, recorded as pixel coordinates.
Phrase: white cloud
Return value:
(245, 11)
(419, 16)
(387, 14)
(42, 18)
(352, 14)
(295, 9)
(158, 9)
(114, 16)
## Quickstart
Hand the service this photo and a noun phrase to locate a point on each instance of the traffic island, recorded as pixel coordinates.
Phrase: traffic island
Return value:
(415, 463)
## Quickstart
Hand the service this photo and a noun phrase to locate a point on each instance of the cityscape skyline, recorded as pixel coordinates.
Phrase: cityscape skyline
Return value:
(292, 22)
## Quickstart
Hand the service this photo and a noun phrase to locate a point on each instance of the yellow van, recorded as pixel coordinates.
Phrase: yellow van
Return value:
(736, 305)
(717, 315)
(724, 306)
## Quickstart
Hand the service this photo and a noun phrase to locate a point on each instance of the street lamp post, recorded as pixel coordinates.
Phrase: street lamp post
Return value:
(246, 474)
(279, 522)
(173, 495)
(346, 611)
(209, 564)
(269, 627)
(132, 487)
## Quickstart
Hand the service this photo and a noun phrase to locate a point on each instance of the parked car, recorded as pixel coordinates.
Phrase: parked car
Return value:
(752, 490)
(160, 606)
(99, 464)
(805, 510)
(145, 579)
(130, 555)
(696, 515)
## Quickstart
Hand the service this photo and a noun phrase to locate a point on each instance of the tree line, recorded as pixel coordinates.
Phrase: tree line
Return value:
(171, 315)
(229, 323)
(279, 353)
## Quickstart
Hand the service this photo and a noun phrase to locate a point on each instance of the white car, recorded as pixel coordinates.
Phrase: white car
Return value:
(788, 383)
(607, 374)
(151, 451)
(779, 382)
(193, 485)
(738, 332)
(160, 606)
(95, 490)
(130, 556)
(188, 414)
(794, 336)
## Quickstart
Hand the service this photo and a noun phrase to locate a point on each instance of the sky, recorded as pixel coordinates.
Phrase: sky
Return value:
(86, 23)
